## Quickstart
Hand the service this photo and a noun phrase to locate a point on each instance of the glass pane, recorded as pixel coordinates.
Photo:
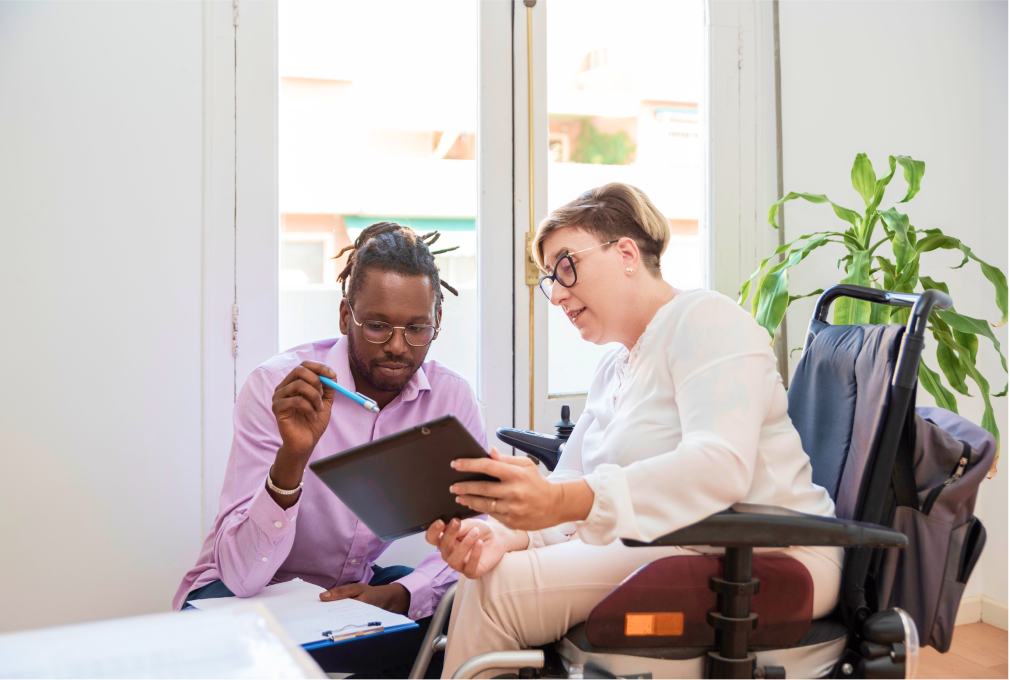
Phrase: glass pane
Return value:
(377, 123)
(623, 85)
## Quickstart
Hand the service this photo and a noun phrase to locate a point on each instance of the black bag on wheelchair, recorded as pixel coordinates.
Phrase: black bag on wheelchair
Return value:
(934, 508)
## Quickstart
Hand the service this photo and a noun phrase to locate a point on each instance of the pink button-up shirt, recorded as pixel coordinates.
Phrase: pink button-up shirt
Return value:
(255, 543)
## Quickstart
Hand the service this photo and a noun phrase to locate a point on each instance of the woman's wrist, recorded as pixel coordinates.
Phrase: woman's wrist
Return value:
(573, 501)
(513, 540)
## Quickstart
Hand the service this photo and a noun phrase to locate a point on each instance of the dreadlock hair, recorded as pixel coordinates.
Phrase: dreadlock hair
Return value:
(390, 247)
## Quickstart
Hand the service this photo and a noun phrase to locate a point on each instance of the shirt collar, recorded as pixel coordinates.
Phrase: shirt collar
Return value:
(340, 362)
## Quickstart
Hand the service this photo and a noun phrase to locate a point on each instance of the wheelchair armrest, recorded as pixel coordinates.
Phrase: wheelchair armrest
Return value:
(768, 527)
(543, 447)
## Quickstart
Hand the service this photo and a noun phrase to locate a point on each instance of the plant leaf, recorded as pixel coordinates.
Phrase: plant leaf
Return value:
(864, 179)
(772, 295)
(988, 419)
(848, 310)
(878, 193)
(897, 225)
(849, 216)
(950, 364)
(930, 284)
(931, 381)
(745, 288)
(967, 324)
(996, 278)
(914, 170)
(793, 298)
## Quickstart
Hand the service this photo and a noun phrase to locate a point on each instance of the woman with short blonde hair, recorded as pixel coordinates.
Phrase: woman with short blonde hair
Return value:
(686, 419)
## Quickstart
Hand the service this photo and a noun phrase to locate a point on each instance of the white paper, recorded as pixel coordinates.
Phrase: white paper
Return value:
(297, 607)
(238, 642)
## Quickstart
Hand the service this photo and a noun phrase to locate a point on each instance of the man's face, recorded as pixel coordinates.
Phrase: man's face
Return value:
(398, 300)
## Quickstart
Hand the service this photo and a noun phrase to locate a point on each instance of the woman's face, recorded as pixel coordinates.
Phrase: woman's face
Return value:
(593, 305)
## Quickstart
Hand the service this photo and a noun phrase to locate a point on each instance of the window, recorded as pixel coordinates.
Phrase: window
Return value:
(377, 123)
(623, 86)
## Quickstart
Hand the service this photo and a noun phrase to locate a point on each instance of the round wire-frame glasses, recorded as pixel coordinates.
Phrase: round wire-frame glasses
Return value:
(379, 332)
(564, 270)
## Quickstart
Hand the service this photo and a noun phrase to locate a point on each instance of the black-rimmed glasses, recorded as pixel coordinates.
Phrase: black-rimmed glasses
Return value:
(564, 270)
(379, 332)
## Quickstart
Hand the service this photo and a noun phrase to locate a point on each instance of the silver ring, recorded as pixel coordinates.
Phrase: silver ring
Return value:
(494, 502)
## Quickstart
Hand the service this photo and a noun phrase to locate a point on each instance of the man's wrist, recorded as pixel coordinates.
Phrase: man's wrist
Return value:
(288, 469)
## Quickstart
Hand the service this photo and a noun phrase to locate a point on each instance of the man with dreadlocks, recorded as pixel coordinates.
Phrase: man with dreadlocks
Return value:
(285, 418)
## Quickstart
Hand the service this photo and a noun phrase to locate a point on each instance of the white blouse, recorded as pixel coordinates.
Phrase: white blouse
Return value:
(689, 423)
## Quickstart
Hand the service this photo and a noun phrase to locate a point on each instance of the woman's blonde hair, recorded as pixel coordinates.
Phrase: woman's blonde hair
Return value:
(611, 212)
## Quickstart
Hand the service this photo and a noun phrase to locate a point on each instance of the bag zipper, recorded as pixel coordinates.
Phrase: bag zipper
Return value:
(934, 493)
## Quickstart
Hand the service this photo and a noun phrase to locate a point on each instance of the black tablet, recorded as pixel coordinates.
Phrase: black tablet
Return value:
(399, 484)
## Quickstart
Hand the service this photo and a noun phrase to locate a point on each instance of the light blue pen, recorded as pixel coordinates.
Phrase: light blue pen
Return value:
(353, 396)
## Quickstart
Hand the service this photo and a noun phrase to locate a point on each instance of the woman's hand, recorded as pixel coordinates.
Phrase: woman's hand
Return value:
(472, 547)
(523, 499)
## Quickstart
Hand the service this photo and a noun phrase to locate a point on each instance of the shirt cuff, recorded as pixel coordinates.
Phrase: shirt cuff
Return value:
(421, 595)
(612, 515)
(270, 518)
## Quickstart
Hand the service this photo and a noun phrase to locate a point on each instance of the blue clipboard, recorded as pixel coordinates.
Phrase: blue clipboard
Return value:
(358, 636)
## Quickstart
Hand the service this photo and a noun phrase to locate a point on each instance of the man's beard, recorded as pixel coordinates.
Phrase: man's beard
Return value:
(370, 374)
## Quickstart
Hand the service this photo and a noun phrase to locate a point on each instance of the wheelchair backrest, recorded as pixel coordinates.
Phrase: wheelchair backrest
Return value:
(838, 400)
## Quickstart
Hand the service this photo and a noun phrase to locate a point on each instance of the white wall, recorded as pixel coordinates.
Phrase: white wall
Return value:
(100, 270)
(925, 79)
(993, 227)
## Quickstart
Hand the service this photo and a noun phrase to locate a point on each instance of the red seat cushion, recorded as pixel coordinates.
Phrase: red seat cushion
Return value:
(675, 590)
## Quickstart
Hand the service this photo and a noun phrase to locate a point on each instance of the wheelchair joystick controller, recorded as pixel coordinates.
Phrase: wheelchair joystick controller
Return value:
(564, 426)
(539, 446)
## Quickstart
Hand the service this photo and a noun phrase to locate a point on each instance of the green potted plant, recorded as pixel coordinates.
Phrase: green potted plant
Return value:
(868, 261)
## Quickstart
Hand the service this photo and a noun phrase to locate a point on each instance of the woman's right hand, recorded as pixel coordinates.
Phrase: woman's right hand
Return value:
(472, 547)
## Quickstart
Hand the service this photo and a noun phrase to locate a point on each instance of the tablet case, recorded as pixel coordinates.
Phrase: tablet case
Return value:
(399, 484)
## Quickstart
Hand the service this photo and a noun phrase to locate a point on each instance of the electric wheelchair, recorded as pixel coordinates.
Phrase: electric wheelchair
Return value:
(741, 615)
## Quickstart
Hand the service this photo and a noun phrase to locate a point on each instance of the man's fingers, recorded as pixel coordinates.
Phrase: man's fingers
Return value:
(296, 404)
(303, 389)
(320, 369)
(342, 592)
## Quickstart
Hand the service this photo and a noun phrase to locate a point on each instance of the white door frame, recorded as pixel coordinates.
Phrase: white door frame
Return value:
(495, 243)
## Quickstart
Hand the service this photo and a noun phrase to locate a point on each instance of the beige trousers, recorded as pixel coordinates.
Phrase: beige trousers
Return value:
(534, 596)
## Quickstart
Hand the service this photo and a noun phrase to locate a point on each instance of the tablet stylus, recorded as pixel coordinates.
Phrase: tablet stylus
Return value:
(353, 396)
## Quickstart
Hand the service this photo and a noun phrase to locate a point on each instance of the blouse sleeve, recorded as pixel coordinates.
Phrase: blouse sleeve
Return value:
(724, 375)
(568, 469)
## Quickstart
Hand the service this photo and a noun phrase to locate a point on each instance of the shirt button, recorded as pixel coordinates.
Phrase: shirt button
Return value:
(264, 559)
(354, 561)
(278, 525)
(293, 517)
(417, 614)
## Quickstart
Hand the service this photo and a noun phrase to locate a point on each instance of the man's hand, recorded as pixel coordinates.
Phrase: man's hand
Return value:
(473, 547)
(523, 499)
(392, 598)
(301, 405)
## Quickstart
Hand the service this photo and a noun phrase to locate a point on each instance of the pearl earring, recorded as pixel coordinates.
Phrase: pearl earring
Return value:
(630, 270)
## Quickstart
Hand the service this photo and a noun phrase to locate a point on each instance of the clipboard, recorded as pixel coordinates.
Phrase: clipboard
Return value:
(334, 638)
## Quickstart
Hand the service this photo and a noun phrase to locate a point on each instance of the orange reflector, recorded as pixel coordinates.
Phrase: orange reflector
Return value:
(659, 623)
